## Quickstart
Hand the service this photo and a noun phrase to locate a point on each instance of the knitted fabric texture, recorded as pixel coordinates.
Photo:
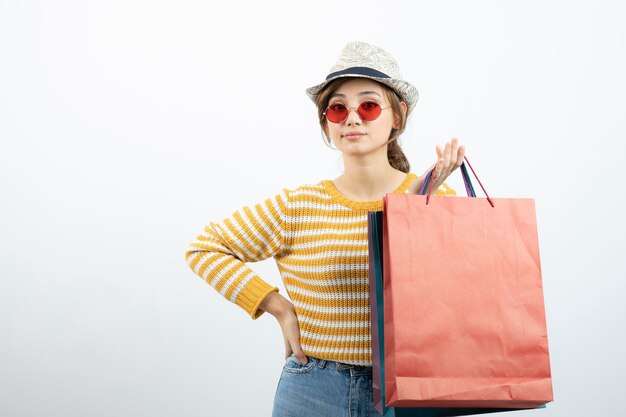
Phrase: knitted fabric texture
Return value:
(318, 238)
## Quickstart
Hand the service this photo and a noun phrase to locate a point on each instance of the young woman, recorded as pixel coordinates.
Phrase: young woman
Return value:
(318, 236)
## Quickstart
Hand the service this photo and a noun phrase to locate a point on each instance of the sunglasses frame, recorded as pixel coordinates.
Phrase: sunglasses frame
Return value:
(357, 112)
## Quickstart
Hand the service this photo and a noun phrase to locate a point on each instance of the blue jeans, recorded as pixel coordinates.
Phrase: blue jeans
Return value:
(324, 388)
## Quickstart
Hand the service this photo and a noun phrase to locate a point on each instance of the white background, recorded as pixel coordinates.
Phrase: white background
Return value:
(125, 126)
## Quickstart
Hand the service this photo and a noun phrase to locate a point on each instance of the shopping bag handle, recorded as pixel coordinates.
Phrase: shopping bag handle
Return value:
(469, 188)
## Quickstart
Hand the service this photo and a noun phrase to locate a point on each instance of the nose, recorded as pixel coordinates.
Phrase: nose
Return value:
(353, 116)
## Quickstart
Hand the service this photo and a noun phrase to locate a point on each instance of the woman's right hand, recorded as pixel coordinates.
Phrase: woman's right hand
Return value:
(285, 313)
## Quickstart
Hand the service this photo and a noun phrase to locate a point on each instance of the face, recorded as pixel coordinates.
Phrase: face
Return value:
(357, 135)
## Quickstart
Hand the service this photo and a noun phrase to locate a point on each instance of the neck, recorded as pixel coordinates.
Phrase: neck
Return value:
(368, 177)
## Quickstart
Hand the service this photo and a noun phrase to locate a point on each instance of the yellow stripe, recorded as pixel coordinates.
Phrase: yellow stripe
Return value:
(266, 219)
(331, 344)
(205, 246)
(329, 247)
(347, 317)
(257, 234)
(342, 288)
(245, 235)
(331, 260)
(195, 261)
(325, 330)
(342, 224)
(218, 267)
(307, 198)
(339, 303)
(229, 292)
(311, 238)
(213, 258)
(238, 242)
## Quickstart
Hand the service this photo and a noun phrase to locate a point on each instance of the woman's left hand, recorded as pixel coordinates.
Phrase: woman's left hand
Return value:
(449, 158)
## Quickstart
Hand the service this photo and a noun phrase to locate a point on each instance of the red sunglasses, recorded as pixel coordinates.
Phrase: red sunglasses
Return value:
(367, 111)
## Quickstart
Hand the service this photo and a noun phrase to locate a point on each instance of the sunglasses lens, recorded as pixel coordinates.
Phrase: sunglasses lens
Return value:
(337, 113)
(369, 111)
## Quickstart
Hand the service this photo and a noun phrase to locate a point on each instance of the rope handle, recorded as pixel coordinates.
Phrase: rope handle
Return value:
(469, 188)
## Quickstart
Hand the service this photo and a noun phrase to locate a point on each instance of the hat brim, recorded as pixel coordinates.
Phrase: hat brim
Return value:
(405, 90)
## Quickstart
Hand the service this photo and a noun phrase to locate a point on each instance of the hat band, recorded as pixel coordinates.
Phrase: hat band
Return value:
(368, 72)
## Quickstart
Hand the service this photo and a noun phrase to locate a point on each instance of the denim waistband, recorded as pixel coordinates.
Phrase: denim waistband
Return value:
(353, 369)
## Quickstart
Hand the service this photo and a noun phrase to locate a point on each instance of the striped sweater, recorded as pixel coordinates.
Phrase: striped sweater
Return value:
(318, 238)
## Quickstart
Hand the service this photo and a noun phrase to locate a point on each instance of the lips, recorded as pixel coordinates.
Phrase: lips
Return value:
(353, 135)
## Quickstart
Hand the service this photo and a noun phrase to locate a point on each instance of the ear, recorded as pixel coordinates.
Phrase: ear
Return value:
(396, 118)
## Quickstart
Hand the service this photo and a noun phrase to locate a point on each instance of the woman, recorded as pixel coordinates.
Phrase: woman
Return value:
(318, 237)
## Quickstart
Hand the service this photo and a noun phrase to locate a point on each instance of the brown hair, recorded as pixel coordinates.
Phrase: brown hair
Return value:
(396, 157)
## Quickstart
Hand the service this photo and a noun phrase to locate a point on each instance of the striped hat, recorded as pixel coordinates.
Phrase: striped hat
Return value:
(360, 59)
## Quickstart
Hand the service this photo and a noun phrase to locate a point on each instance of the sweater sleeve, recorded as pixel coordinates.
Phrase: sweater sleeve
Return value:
(218, 255)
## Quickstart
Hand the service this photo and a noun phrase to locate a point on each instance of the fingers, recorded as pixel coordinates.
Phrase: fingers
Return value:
(439, 163)
(291, 334)
(453, 155)
(460, 156)
(438, 168)
(284, 312)
(301, 357)
(447, 154)
(439, 151)
(296, 349)
(449, 158)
